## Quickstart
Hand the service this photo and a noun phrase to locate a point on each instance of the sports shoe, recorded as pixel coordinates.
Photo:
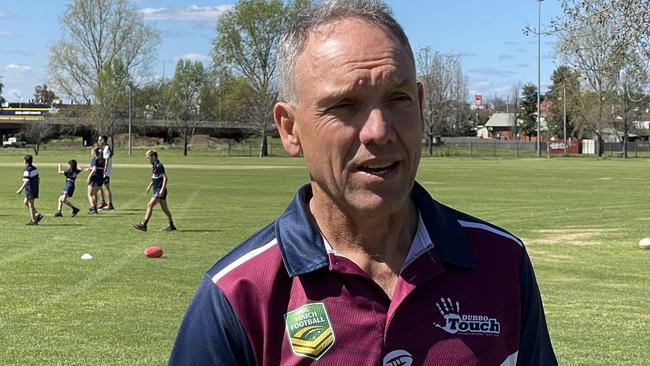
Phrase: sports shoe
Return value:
(58, 214)
(92, 211)
(103, 206)
(75, 211)
(140, 226)
(170, 227)
(39, 217)
(32, 223)
(110, 207)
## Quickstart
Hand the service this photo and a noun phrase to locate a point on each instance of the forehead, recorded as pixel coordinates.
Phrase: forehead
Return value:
(353, 50)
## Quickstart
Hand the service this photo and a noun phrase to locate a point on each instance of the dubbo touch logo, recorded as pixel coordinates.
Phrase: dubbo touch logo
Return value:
(310, 330)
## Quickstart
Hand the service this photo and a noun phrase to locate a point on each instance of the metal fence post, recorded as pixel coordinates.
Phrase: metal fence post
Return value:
(495, 148)
(470, 148)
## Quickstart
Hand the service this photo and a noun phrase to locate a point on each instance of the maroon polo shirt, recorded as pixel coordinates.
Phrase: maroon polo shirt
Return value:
(466, 295)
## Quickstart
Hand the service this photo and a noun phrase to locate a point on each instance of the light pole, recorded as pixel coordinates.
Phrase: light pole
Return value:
(539, 89)
(564, 112)
(130, 117)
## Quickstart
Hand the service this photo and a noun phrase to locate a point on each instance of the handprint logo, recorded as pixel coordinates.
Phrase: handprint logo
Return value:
(450, 311)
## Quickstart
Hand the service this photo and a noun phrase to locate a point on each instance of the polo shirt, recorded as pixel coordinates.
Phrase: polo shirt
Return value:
(157, 172)
(30, 175)
(467, 296)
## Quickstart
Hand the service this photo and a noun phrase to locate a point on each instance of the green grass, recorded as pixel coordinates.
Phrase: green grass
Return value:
(581, 219)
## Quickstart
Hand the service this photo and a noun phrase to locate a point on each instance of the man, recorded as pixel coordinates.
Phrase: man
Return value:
(363, 267)
(159, 184)
(30, 186)
(106, 194)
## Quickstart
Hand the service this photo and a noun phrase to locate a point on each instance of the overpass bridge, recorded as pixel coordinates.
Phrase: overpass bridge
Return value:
(82, 126)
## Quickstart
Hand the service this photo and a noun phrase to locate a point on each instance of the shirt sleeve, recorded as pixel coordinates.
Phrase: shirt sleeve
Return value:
(25, 176)
(534, 342)
(210, 333)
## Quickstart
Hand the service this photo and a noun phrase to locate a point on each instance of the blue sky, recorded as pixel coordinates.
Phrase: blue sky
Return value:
(488, 34)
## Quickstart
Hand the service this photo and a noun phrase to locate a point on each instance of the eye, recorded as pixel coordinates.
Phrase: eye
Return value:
(342, 106)
(400, 97)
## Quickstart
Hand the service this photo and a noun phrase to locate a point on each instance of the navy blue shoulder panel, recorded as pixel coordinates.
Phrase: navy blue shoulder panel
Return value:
(535, 347)
(211, 333)
(255, 241)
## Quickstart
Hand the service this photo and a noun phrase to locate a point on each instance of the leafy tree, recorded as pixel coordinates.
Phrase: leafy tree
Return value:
(246, 41)
(43, 95)
(563, 92)
(111, 97)
(184, 96)
(95, 32)
(529, 110)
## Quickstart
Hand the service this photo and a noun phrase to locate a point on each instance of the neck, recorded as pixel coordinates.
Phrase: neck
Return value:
(375, 242)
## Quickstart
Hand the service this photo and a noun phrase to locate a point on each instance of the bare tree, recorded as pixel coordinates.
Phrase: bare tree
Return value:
(111, 97)
(515, 108)
(445, 93)
(93, 33)
(36, 133)
(608, 42)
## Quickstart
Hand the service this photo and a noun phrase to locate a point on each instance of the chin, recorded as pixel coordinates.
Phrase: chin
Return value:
(373, 203)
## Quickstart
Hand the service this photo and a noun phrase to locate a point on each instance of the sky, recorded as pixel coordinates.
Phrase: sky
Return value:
(488, 35)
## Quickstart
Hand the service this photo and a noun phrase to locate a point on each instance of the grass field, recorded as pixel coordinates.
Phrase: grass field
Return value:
(581, 220)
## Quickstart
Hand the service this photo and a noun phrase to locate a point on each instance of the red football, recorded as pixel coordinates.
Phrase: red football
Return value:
(153, 251)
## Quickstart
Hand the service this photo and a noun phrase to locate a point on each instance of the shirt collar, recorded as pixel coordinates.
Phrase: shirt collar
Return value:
(303, 248)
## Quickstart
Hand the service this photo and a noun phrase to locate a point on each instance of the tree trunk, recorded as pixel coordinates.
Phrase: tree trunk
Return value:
(430, 144)
(601, 145)
(264, 147)
(625, 137)
(185, 143)
(37, 148)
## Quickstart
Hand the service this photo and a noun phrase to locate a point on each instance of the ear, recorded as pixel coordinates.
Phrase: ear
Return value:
(285, 121)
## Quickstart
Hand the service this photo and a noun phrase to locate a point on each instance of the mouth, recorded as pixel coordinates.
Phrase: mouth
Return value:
(380, 169)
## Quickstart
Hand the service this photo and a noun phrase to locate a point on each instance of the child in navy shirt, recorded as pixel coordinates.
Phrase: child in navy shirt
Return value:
(30, 186)
(68, 190)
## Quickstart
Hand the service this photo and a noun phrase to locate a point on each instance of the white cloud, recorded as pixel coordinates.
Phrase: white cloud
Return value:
(192, 13)
(6, 33)
(194, 57)
(3, 14)
(18, 68)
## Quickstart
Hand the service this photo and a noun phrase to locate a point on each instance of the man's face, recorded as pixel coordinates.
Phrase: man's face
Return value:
(358, 117)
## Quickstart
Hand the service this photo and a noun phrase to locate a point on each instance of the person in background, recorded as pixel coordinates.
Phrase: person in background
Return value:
(95, 178)
(106, 193)
(71, 175)
(30, 186)
(159, 182)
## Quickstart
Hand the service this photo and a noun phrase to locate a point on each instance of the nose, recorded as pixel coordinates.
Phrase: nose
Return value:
(376, 129)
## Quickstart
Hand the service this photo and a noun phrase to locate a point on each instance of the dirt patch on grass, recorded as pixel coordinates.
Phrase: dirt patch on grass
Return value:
(574, 235)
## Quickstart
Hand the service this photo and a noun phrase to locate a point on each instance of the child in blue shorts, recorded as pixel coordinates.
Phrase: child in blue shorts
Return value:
(68, 190)
(30, 186)
(159, 185)
(95, 178)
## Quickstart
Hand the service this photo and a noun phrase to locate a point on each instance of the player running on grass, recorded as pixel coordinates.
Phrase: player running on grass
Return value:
(95, 178)
(30, 186)
(159, 184)
(68, 190)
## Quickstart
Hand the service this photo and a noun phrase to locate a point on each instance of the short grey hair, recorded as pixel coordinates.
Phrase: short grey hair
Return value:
(293, 41)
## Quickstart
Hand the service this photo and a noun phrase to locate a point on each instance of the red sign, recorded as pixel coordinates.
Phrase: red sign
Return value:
(478, 99)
